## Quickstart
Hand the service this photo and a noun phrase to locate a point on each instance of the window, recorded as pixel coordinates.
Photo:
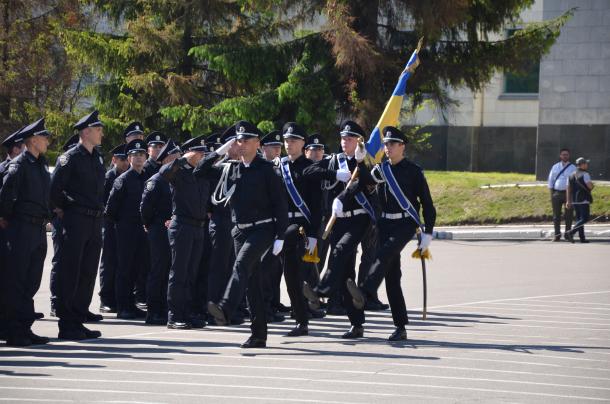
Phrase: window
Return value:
(525, 82)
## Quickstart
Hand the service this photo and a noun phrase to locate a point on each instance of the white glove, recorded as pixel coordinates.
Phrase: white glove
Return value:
(222, 150)
(311, 244)
(425, 241)
(337, 207)
(277, 246)
(360, 153)
(344, 175)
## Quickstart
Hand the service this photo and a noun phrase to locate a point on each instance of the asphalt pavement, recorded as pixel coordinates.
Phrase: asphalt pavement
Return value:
(508, 321)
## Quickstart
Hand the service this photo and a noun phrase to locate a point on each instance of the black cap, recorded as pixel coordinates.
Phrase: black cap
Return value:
(34, 129)
(273, 138)
(392, 134)
(194, 144)
(228, 134)
(135, 146)
(119, 151)
(88, 121)
(314, 140)
(245, 129)
(169, 148)
(13, 138)
(292, 129)
(134, 128)
(156, 137)
(70, 143)
(352, 129)
(213, 142)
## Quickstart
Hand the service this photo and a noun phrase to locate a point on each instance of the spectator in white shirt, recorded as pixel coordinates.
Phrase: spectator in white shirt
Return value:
(558, 183)
(579, 196)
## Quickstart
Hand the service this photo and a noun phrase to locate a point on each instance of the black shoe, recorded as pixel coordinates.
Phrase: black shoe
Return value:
(275, 318)
(354, 332)
(253, 342)
(557, 238)
(399, 334)
(38, 315)
(198, 322)
(142, 305)
(93, 318)
(569, 237)
(299, 330)
(311, 296)
(336, 310)
(283, 309)
(104, 308)
(237, 320)
(584, 241)
(18, 341)
(72, 335)
(317, 314)
(357, 296)
(90, 334)
(155, 319)
(178, 325)
(37, 339)
(375, 305)
(219, 315)
(126, 315)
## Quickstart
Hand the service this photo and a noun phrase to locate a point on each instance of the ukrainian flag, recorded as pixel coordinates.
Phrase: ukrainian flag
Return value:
(390, 115)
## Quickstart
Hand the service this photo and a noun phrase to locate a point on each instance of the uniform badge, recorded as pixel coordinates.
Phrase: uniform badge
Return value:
(12, 169)
(138, 145)
(157, 137)
(63, 160)
(290, 129)
(316, 140)
(137, 127)
(118, 183)
(277, 137)
(241, 129)
(150, 185)
(348, 128)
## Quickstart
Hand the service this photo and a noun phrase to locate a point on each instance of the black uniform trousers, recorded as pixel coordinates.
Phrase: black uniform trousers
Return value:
(344, 239)
(393, 237)
(160, 262)
(199, 293)
(186, 243)
(222, 255)
(108, 265)
(133, 256)
(3, 266)
(57, 236)
(250, 246)
(293, 250)
(80, 255)
(26, 251)
(272, 279)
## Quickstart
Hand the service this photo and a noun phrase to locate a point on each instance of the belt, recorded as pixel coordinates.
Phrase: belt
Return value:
(31, 219)
(189, 220)
(350, 213)
(394, 216)
(295, 214)
(86, 211)
(242, 226)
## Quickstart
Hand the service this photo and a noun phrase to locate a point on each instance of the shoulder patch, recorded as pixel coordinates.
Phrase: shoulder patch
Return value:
(150, 185)
(118, 183)
(12, 168)
(63, 159)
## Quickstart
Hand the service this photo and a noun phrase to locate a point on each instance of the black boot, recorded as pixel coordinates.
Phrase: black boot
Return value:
(299, 330)
(219, 315)
(399, 334)
(254, 342)
(354, 332)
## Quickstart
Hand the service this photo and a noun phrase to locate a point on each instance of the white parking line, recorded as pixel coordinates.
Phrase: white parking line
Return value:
(501, 309)
(555, 306)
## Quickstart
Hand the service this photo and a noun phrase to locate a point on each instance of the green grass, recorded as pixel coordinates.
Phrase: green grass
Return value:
(460, 200)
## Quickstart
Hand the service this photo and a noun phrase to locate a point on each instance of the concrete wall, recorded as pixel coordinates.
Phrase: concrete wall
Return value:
(575, 88)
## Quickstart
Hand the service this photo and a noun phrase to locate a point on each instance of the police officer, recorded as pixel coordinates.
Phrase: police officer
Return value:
(314, 147)
(133, 131)
(271, 145)
(123, 208)
(13, 145)
(351, 224)
(304, 219)
(57, 230)
(155, 141)
(77, 193)
(156, 210)
(24, 211)
(400, 184)
(109, 260)
(186, 231)
(260, 214)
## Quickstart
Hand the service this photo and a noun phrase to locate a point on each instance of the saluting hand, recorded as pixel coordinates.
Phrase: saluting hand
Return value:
(222, 150)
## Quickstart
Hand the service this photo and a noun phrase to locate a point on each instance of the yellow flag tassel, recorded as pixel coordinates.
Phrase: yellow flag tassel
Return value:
(417, 254)
(312, 258)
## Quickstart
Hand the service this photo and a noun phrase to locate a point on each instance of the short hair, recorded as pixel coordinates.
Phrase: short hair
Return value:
(564, 149)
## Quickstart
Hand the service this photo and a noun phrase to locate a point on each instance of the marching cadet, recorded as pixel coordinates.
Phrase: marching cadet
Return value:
(314, 148)
(155, 142)
(156, 210)
(303, 216)
(109, 261)
(13, 145)
(24, 211)
(402, 189)
(57, 230)
(186, 230)
(271, 145)
(123, 208)
(77, 193)
(351, 224)
(133, 131)
(260, 213)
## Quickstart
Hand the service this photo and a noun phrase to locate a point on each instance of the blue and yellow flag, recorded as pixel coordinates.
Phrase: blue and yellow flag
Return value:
(390, 115)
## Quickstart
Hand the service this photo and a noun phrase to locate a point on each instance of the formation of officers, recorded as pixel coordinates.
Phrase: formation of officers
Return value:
(201, 233)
